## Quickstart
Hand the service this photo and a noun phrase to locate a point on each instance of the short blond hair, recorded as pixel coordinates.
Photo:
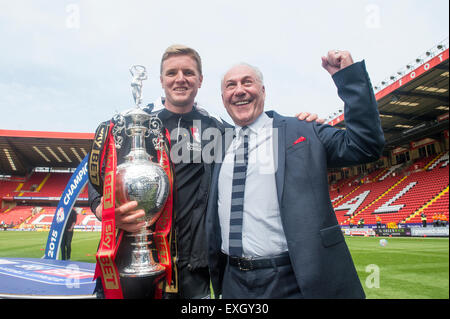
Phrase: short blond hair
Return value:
(179, 49)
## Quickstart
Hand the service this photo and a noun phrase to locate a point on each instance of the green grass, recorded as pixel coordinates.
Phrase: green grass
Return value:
(407, 268)
(32, 245)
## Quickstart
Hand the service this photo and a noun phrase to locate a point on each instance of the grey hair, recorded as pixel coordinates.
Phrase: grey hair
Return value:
(259, 75)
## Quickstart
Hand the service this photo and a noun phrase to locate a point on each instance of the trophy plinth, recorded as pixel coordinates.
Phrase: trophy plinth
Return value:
(142, 262)
(140, 179)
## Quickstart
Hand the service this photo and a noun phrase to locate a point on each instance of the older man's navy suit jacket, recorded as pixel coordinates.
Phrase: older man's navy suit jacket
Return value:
(319, 255)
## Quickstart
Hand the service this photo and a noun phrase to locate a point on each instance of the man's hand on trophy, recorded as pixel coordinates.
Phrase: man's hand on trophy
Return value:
(336, 60)
(126, 216)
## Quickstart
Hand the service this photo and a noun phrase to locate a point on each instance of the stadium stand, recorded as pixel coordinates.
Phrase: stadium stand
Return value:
(54, 183)
(16, 216)
(40, 193)
(421, 187)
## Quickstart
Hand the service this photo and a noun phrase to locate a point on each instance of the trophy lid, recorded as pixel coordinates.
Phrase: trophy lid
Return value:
(137, 115)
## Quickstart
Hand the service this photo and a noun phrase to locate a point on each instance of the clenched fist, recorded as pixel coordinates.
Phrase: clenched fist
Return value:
(336, 60)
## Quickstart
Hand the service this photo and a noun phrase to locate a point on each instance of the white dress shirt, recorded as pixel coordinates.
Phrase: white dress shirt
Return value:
(262, 231)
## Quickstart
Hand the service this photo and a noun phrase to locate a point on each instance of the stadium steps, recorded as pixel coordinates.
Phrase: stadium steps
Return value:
(390, 171)
(31, 182)
(442, 159)
(430, 184)
(38, 189)
(337, 202)
(7, 188)
(375, 179)
(55, 184)
(430, 202)
(16, 215)
(432, 161)
(6, 210)
(43, 211)
(439, 206)
(21, 225)
(377, 199)
(19, 187)
(34, 184)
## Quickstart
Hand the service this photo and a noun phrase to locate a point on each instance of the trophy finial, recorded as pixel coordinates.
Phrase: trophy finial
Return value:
(139, 74)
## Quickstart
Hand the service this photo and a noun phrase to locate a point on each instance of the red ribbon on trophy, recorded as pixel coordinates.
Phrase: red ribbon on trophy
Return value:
(164, 223)
(106, 266)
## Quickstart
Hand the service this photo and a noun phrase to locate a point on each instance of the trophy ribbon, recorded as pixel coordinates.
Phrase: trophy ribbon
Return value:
(106, 253)
(164, 223)
(97, 155)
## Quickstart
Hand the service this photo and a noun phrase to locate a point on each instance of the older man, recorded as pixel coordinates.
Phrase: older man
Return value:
(272, 231)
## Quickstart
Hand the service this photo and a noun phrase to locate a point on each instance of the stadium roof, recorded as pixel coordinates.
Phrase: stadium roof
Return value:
(21, 151)
(413, 104)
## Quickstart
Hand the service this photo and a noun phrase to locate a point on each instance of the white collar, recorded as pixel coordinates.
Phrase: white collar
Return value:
(262, 121)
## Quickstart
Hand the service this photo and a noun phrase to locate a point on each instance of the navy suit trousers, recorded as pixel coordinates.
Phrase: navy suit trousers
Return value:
(276, 282)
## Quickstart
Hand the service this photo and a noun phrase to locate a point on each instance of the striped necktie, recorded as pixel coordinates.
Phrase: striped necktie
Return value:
(237, 194)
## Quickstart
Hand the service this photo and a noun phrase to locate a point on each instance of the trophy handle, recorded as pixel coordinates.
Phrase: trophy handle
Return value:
(119, 126)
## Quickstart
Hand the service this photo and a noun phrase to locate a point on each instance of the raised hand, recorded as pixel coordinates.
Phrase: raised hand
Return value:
(336, 60)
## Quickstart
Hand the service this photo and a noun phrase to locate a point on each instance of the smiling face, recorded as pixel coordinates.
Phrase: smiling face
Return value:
(180, 79)
(243, 94)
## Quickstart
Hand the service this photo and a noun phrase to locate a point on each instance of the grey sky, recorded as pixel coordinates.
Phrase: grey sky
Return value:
(64, 64)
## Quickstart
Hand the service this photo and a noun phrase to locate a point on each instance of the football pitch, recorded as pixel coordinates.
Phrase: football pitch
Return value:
(405, 268)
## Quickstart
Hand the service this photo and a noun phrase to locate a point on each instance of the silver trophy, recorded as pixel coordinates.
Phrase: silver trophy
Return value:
(139, 178)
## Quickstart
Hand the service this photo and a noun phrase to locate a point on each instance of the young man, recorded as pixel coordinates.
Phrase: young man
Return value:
(272, 231)
(181, 77)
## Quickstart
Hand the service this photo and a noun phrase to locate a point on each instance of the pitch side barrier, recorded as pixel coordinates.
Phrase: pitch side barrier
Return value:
(398, 232)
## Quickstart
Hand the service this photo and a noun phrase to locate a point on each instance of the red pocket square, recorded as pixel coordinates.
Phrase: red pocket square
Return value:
(300, 139)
